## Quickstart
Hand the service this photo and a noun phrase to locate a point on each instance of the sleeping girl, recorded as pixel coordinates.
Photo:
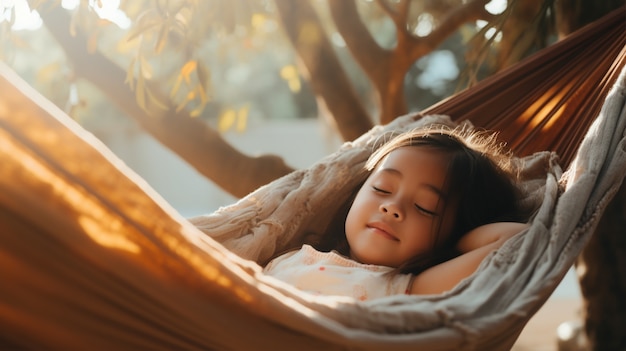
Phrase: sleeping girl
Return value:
(437, 201)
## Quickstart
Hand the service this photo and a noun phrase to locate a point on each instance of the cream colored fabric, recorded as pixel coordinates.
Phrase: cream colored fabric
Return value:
(329, 273)
(92, 258)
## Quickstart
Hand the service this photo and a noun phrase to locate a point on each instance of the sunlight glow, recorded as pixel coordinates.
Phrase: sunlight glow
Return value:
(425, 25)
(98, 223)
(70, 4)
(106, 236)
(496, 7)
(566, 330)
(438, 69)
(110, 11)
(25, 19)
(546, 107)
(337, 40)
(490, 32)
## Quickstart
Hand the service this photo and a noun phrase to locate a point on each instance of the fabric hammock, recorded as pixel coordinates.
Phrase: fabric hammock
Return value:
(92, 258)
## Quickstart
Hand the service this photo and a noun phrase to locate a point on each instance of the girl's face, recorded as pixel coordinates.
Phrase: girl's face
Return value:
(401, 208)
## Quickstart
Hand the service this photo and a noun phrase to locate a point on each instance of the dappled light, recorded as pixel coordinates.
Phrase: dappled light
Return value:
(23, 17)
(309, 35)
(26, 18)
(543, 113)
(110, 236)
(424, 25)
(290, 74)
(496, 7)
(490, 33)
(102, 227)
(438, 70)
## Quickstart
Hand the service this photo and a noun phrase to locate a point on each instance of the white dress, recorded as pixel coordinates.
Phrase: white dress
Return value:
(328, 273)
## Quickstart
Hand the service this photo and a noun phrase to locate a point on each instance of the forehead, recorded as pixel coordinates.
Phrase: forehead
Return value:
(410, 158)
(420, 166)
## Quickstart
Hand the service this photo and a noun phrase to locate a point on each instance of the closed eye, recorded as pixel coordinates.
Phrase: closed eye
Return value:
(379, 190)
(425, 211)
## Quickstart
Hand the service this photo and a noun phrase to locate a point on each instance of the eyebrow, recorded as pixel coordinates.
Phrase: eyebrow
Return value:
(431, 187)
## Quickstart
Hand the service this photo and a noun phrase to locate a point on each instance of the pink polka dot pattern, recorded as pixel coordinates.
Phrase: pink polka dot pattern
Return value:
(360, 292)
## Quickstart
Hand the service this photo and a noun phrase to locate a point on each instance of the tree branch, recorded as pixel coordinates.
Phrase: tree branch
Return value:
(373, 59)
(328, 78)
(191, 138)
(465, 13)
(398, 17)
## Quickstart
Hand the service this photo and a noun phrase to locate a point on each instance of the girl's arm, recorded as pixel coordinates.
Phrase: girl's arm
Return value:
(474, 247)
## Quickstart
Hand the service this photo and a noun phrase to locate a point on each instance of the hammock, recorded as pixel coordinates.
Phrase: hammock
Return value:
(93, 258)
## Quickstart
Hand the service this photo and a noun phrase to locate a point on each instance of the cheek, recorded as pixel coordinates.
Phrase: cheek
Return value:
(352, 214)
(421, 235)
(356, 213)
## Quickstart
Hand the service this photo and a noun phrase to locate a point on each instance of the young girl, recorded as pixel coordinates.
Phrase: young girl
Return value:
(437, 201)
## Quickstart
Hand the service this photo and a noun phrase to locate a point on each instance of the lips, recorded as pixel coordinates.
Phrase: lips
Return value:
(383, 229)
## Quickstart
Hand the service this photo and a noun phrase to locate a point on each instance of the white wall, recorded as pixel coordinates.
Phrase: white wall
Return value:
(299, 142)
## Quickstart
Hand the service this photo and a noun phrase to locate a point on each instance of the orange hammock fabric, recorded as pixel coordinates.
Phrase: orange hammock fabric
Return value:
(92, 258)
(546, 102)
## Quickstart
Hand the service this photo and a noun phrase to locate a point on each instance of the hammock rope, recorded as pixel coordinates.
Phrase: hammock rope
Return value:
(92, 257)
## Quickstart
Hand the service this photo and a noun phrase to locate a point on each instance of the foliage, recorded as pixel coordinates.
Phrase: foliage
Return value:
(210, 57)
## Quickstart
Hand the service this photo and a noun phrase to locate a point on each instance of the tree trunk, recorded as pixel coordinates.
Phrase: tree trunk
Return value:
(191, 138)
(602, 273)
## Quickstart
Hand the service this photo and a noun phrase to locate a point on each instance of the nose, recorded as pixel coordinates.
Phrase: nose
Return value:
(392, 209)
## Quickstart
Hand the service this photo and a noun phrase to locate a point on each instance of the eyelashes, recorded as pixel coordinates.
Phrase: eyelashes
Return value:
(379, 190)
(425, 211)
